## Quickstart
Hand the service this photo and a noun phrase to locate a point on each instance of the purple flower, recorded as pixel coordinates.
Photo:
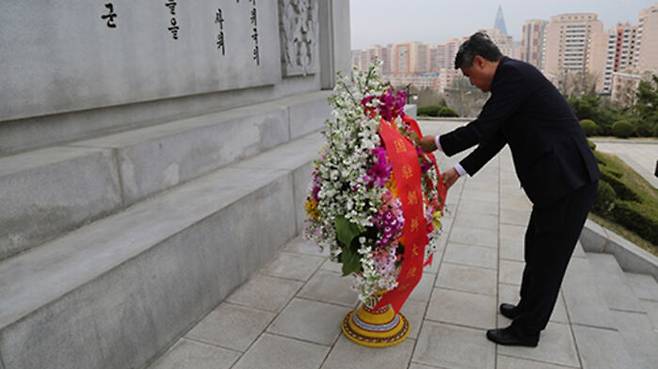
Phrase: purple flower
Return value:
(391, 105)
(379, 173)
(315, 189)
(389, 221)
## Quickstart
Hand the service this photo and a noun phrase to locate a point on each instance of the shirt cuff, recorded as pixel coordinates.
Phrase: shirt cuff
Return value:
(460, 170)
(437, 142)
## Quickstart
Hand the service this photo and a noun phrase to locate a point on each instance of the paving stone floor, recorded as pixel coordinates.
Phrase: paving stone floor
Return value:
(642, 157)
(287, 316)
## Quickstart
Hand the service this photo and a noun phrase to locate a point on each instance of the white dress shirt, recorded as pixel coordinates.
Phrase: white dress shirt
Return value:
(458, 167)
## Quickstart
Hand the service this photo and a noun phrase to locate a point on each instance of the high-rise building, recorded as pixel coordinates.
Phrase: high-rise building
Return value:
(620, 54)
(381, 53)
(409, 58)
(452, 47)
(516, 54)
(420, 58)
(430, 81)
(504, 42)
(400, 59)
(442, 56)
(447, 77)
(356, 56)
(576, 43)
(532, 42)
(499, 24)
(363, 58)
(438, 57)
(647, 40)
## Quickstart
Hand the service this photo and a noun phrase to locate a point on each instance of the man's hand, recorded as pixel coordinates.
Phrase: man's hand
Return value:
(450, 177)
(427, 143)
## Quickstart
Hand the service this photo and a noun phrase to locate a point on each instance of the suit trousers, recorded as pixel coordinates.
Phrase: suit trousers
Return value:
(550, 239)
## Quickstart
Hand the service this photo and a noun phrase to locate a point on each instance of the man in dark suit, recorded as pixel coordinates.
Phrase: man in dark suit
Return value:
(553, 162)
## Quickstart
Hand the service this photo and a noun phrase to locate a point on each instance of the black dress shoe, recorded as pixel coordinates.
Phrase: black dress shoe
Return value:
(509, 311)
(512, 337)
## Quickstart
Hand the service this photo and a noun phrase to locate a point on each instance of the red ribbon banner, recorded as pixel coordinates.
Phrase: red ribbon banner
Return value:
(404, 159)
(441, 186)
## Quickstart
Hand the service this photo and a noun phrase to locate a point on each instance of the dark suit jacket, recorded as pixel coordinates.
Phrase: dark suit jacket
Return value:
(525, 110)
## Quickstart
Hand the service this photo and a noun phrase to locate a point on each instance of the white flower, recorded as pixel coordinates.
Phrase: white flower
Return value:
(343, 190)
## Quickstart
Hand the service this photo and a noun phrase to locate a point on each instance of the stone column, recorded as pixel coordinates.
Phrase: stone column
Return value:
(335, 40)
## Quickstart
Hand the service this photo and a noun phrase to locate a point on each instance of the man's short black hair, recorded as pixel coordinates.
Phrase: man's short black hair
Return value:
(478, 44)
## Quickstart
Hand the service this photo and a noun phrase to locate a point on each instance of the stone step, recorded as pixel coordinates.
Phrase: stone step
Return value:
(89, 179)
(640, 331)
(600, 345)
(640, 340)
(629, 318)
(618, 295)
(646, 289)
(644, 286)
(51, 191)
(584, 301)
(119, 291)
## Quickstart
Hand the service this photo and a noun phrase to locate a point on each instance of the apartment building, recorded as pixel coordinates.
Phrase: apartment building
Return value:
(576, 43)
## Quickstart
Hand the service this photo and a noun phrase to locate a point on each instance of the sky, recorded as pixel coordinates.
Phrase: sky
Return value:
(435, 21)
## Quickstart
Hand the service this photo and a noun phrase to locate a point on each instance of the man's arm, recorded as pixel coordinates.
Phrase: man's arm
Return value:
(474, 161)
(508, 93)
(482, 154)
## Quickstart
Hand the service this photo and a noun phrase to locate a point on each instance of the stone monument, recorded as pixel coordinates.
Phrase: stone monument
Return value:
(153, 155)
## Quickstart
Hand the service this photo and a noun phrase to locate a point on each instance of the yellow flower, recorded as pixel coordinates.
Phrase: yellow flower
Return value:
(392, 186)
(436, 219)
(311, 207)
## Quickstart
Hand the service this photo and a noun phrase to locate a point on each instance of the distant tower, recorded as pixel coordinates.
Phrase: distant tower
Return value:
(500, 21)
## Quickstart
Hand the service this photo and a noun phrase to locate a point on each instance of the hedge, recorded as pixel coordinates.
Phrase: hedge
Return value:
(639, 218)
(613, 178)
(590, 127)
(605, 199)
(448, 113)
(635, 203)
(622, 129)
(430, 111)
(437, 111)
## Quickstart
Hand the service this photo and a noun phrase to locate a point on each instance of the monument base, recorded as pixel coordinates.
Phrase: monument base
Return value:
(375, 328)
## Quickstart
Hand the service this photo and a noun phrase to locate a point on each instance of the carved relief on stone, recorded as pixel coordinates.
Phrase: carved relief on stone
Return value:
(298, 27)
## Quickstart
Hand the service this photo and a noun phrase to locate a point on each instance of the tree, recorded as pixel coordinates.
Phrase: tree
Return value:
(599, 110)
(577, 83)
(426, 96)
(466, 99)
(646, 107)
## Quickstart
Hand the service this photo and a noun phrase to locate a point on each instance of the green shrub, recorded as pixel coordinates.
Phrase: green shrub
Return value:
(600, 159)
(621, 189)
(592, 145)
(429, 111)
(636, 204)
(590, 127)
(605, 199)
(645, 128)
(436, 111)
(595, 108)
(613, 172)
(638, 218)
(447, 112)
(622, 129)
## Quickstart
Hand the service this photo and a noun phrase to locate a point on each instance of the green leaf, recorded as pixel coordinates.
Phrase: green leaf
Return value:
(351, 260)
(346, 231)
